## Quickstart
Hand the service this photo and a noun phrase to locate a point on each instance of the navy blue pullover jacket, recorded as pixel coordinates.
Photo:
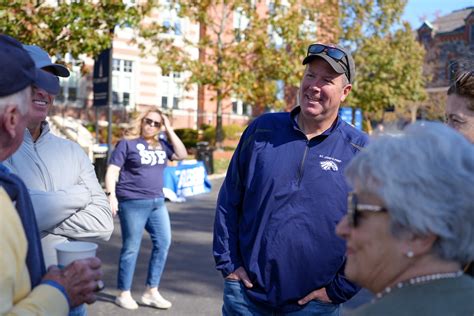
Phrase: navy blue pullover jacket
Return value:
(278, 208)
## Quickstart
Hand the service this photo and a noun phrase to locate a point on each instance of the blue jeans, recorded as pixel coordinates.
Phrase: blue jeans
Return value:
(136, 215)
(236, 302)
(80, 310)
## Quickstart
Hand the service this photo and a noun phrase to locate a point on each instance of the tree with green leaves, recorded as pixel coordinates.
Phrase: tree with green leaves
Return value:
(389, 60)
(389, 73)
(75, 27)
(247, 61)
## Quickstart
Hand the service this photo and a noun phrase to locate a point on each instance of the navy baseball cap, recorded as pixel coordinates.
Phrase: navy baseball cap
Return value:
(17, 70)
(43, 61)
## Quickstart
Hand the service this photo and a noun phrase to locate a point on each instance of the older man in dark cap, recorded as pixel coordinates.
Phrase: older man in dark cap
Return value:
(284, 193)
(25, 286)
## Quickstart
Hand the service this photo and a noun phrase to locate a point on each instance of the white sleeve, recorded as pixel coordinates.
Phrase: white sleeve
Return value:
(95, 219)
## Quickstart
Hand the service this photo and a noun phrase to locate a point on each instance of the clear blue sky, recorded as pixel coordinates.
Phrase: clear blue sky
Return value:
(418, 10)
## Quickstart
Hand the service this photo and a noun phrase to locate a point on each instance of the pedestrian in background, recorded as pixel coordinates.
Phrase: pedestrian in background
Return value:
(68, 199)
(134, 185)
(460, 104)
(284, 192)
(25, 286)
(410, 225)
(460, 113)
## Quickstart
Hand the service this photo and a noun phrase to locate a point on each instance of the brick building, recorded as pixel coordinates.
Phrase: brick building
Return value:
(447, 39)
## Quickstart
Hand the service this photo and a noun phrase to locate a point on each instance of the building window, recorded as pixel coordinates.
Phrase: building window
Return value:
(240, 23)
(70, 86)
(247, 109)
(175, 103)
(127, 66)
(177, 27)
(425, 38)
(116, 64)
(126, 98)
(235, 107)
(472, 33)
(122, 82)
(164, 102)
(173, 28)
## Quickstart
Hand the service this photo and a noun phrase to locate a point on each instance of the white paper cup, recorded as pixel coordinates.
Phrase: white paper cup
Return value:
(69, 251)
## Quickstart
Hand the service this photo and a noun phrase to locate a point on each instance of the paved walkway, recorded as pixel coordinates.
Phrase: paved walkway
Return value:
(190, 280)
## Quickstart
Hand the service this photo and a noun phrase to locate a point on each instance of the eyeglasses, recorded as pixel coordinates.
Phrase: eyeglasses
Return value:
(354, 209)
(152, 123)
(333, 52)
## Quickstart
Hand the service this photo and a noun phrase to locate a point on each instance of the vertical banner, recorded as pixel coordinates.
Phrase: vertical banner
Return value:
(101, 78)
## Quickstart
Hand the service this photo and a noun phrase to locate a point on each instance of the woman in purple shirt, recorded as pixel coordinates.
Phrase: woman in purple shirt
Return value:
(134, 184)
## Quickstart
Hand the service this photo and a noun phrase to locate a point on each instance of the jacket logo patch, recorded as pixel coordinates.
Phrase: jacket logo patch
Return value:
(328, 165)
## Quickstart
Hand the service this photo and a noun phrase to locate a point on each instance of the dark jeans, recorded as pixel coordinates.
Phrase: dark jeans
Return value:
(236, 303)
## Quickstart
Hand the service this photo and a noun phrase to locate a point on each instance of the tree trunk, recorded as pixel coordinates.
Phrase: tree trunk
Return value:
(219, 134)
(413, 111)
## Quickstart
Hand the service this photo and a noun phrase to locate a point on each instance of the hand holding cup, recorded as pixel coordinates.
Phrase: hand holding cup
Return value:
(78, 271)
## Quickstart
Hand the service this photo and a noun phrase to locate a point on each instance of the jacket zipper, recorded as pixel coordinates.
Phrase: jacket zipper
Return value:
(42, 167)
(300, 171)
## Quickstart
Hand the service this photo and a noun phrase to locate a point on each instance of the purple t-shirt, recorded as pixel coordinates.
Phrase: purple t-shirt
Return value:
(141, 169)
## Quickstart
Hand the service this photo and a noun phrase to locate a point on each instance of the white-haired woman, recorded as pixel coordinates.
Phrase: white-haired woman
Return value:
(410, 222)
(137, 194)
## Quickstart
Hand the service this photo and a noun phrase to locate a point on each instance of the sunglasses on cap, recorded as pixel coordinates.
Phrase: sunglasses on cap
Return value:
(152, 123)
(333, 52)
(354, 209)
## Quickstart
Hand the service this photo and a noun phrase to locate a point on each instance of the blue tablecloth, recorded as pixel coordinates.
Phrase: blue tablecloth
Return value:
(186, 179)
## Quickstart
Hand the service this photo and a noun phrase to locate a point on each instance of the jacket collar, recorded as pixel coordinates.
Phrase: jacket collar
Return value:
(335, 125)
(44, 130)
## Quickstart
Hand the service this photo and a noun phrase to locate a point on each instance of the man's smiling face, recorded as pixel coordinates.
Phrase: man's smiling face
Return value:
(322, 90)
(40, 104)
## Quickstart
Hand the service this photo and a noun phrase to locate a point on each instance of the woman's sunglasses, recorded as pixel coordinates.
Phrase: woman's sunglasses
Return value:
(152, 123)
(354, 209)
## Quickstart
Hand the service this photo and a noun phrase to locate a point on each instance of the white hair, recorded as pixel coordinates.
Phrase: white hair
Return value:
(21, 99)
(425, 176)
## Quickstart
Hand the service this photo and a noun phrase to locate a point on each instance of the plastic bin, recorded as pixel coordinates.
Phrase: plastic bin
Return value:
(204, 153)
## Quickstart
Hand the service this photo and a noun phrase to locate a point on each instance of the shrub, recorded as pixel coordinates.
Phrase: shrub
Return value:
(209, 134)
(188, 136)
(233, 131)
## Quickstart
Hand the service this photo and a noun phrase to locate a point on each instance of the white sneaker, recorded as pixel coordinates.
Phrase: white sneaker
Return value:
(155, 300)
(126, 302)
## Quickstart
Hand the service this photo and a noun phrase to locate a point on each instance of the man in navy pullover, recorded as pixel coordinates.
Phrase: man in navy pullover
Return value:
(283, 195)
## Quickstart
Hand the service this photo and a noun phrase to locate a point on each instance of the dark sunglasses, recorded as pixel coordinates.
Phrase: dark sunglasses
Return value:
(333, 52)
(463, 77)
(354, 209)
(152, 123)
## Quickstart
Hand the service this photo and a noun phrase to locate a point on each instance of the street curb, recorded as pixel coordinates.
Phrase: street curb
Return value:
(216, 176)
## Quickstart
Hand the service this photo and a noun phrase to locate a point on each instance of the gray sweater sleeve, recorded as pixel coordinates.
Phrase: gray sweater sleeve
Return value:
(94, 220)
(51, 208)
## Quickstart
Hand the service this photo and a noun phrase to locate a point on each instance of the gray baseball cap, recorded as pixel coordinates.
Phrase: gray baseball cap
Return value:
(337, 56)
(43, 61)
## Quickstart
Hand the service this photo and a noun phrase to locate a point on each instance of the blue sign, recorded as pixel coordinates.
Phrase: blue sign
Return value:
(347, 113)
(188, 178)
(101, 78)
